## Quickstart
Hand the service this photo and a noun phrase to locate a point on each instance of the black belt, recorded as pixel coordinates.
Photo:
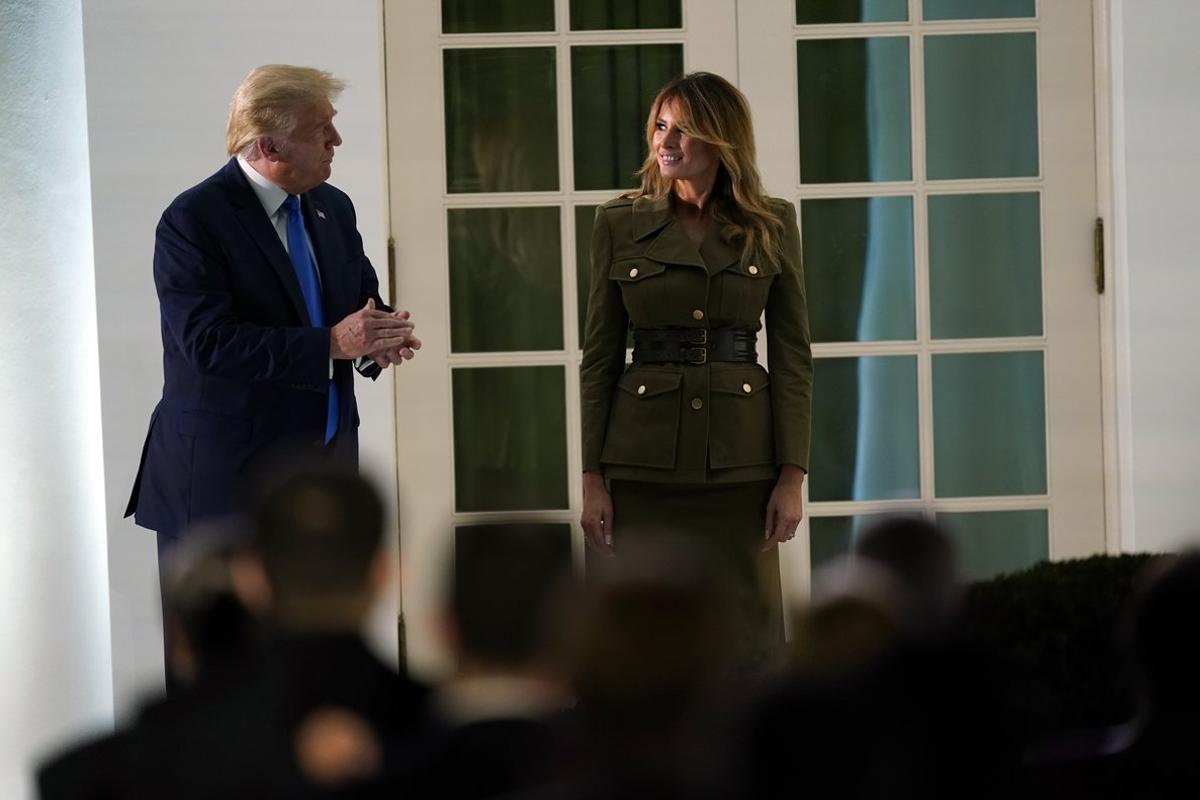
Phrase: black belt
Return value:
(693, 346)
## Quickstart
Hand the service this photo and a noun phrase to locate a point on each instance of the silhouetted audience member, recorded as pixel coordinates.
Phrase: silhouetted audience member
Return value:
(923, 563)
(840, 636)
(211, 642)
(652, 670)
(335, 714)
(503, 713)
(1160, 758)
(1154, 755)
(630, 690)
(212, 632)
(894, 704)
(316, 714)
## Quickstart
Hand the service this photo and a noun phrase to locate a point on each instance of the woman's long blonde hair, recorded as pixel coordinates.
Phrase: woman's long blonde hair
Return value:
(711, 109)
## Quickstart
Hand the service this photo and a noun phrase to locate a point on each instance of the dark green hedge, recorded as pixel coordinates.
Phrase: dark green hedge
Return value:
(1054, 630)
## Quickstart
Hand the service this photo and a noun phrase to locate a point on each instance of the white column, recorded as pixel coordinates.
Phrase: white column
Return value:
(56, 671)
(1158, 169)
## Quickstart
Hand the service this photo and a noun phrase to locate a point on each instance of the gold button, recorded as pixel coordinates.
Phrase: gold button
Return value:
(642, 389)
(697, 314)
(633, 272)
(697, 403)
(747, 388)
(753, 270)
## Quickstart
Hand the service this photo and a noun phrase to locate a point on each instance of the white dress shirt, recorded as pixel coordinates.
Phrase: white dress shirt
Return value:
(272, 196)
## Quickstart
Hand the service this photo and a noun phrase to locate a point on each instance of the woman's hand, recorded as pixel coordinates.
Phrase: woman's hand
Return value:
(785, 509)
(597, 516)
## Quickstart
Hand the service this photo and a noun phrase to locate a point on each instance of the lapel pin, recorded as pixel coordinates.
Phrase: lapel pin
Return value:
(320, 213)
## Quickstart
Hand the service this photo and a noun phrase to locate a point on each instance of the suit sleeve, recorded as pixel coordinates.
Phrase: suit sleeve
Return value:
(604, 345)
(192, 278)
(789, 351)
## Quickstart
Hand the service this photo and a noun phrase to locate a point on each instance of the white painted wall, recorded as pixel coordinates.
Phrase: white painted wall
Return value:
(159, 79)
(1157, 174)
(55, 662)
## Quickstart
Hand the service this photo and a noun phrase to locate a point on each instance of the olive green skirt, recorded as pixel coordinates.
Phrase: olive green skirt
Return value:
(729, 520)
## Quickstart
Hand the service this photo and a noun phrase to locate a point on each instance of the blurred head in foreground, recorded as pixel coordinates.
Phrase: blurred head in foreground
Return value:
(1164, 650)
(507, 591)
(922, 561)
(319, 537)
(654, 637)
(899, 581)
(207, 623)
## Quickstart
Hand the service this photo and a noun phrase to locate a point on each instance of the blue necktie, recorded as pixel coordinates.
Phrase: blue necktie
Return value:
(310, 287)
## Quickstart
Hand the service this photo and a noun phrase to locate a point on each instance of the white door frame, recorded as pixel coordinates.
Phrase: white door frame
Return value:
(1063, 174)
(1116, 365)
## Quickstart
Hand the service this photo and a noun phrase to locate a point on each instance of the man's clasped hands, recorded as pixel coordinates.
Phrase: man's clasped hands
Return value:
(385, 336)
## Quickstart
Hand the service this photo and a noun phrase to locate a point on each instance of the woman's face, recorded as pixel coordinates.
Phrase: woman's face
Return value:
(681, 157)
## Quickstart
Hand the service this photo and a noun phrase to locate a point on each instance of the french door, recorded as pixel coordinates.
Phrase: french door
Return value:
(943, 167)
(941, 154)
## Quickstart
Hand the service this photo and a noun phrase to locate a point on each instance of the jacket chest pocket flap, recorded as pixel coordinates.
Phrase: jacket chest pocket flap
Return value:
(643, 426)
(745, 290)
(641, 282)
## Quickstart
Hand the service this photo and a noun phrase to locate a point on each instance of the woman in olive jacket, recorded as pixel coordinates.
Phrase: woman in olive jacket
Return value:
(694, 438)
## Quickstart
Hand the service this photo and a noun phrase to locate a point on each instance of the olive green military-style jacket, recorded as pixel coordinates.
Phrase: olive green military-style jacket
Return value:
(718, 422)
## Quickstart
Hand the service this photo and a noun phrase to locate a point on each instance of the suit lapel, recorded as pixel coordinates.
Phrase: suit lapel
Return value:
(718, 254)
(256, 223)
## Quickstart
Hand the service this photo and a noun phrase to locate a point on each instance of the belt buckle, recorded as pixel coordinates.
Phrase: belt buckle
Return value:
(696, 336)
(695, 356)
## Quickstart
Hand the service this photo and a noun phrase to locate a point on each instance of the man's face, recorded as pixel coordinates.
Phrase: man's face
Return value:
(303, 160)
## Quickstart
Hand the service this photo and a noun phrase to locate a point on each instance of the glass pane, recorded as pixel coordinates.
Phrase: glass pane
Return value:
(510, 438)
(611, 91)
(497, 16)
(820, 12)
(993, 542)
(501, 120)
(594, 15)
(831, 537)
(505, 279)
(858, 259)
(985, 265)
(989, 424)
(854, 109)
(865, 429)
(981, 106)
(584, 217)
(978, 9)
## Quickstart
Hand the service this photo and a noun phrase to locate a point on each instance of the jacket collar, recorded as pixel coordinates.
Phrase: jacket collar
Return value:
(670, 243)
(252, 213)
(268, 193)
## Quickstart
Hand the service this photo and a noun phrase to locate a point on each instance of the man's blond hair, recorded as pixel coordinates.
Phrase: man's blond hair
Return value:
(269, 100)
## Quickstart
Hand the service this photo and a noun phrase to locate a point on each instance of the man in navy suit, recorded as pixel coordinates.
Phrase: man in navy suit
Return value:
(267, 300)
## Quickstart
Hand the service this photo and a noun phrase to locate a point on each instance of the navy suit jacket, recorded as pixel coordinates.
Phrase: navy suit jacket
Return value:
(243, 368)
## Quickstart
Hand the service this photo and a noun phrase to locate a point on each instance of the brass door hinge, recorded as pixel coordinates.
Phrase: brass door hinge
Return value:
(391, 267)
(402, 641)
(1098, 246)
